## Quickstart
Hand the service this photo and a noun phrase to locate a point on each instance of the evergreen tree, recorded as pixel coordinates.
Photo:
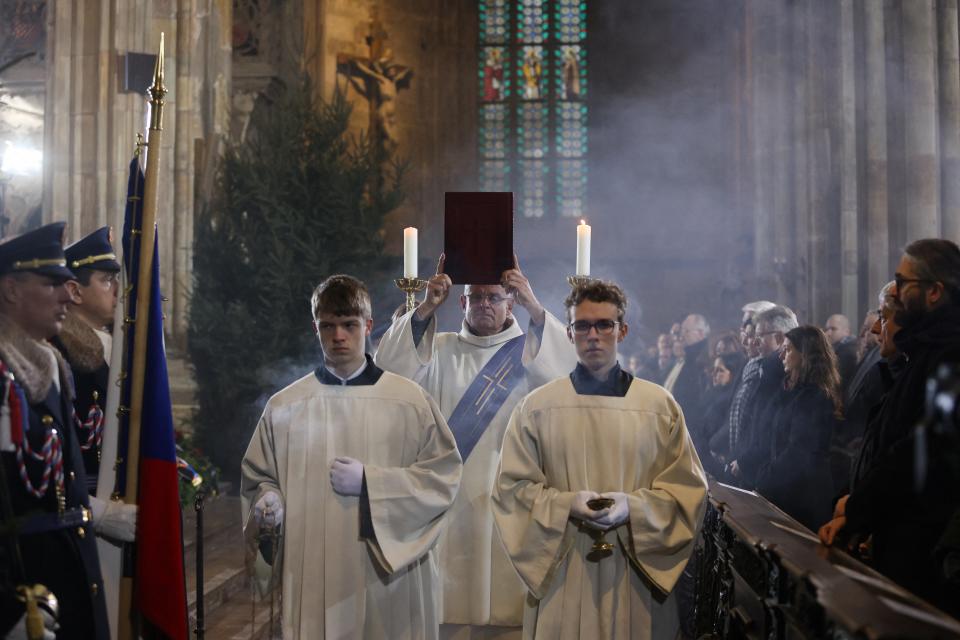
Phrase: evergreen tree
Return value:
(300, 199)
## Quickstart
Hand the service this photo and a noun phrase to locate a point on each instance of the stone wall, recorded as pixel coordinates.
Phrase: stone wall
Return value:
(90, 123)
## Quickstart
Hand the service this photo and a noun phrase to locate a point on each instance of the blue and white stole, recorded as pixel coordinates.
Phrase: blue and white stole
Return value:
(486, 394)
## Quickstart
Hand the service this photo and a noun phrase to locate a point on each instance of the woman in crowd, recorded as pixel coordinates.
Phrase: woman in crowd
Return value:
(726, 372)
(797, 475)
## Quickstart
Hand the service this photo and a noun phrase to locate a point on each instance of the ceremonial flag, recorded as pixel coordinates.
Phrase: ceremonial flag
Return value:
(160, 591)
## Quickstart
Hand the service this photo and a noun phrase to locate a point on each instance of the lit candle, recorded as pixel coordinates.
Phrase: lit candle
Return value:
(410, 252)
(583, 249)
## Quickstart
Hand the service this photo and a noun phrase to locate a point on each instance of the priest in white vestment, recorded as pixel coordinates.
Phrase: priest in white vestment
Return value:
(599, 433)
(477, 376)
(355, 468)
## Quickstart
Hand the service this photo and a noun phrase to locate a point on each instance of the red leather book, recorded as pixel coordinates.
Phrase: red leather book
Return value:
(478, 236)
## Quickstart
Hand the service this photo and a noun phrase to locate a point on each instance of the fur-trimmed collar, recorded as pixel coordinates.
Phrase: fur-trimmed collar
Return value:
(34, 364)
(84, 348)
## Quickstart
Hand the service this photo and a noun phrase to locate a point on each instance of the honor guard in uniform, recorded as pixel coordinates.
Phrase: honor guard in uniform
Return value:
(47, 520)
(85, 339)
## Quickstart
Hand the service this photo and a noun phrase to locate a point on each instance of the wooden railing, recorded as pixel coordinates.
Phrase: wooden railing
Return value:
(761, 574)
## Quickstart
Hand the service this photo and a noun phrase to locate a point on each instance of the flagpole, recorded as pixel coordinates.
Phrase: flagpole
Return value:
(147, 233)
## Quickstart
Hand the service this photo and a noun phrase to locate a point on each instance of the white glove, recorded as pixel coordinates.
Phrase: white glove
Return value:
(19, 630)
(114, 520)
(346, 476)
(616, 515)
(579, 508)
(268, 510)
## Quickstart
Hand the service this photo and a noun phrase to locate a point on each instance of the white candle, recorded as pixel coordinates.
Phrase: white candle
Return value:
(583, 249)
(410, 252)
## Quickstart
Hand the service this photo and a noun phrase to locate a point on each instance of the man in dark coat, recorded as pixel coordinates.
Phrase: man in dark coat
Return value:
(906, 518)
(47, 521)
(693, 379)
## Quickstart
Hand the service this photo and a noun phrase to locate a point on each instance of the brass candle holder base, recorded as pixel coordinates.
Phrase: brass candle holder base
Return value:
(578, 281)
(411, 286)
(601, 548)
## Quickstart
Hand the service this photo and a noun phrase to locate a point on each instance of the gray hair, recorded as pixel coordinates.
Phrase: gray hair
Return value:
(757, 307)
(779, 318)
(886, 298)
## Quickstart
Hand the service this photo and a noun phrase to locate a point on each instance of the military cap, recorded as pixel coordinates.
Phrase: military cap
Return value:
(38, 251)
(94, 251)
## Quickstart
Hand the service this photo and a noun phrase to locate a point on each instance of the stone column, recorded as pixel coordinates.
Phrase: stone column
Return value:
(875, 132)
(187, 88)
(849, 201)
(920, 119)
(800, 94)
(949, 85)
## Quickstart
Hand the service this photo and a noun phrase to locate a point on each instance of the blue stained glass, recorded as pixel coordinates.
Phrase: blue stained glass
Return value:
(532, 120)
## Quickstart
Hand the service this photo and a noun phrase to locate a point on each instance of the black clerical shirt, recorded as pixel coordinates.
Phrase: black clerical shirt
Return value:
(616, 384)
(370, 375)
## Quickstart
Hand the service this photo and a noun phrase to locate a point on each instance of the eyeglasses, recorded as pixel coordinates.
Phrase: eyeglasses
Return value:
(764, 334)
(492, 298)
(603, 327)
(900, 281)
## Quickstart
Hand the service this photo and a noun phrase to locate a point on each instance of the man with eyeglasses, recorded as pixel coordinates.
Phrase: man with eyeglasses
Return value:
(904, 507)
(600, 493)
(477, 376)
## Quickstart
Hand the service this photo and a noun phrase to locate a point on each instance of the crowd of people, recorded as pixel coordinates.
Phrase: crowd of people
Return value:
(823, 423)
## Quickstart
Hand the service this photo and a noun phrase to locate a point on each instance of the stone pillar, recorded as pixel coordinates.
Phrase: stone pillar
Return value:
(920, 119)
(800, 132)
(849, 201)
(875, 132)
(187, 90)
(91, 126)
(763, 93)
(949, 85)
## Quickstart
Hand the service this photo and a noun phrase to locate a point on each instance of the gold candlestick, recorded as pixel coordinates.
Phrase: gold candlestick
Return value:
(411, 286)
(578, 281)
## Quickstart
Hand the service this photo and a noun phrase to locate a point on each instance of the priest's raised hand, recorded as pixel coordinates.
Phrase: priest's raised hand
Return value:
(346, 476)
(517, 285)
(438, 288)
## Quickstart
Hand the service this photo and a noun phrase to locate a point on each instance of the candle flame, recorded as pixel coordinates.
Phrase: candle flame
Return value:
(582, 221)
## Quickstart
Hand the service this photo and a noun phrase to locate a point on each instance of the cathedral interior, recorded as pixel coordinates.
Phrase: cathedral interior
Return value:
(722, 151)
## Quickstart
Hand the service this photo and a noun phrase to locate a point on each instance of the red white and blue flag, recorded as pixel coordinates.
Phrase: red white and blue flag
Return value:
(160, 591)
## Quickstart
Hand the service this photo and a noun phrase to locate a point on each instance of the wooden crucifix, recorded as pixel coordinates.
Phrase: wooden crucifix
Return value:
(378, 79)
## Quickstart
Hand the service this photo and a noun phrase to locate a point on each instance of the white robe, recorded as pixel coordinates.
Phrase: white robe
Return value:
(560, 442)
(479, 585)
(336, 584)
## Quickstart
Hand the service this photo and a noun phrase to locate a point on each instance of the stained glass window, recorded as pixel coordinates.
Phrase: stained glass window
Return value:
(533, 110)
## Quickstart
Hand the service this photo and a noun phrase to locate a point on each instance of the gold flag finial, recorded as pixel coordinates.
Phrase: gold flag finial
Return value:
(157, 91)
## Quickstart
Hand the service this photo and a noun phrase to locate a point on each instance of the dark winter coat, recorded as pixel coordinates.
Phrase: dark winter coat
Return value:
(796, 475)
(905, 520)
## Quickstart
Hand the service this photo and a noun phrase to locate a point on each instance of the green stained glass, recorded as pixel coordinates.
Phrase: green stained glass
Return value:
(495, 81)
(571, 188)
(532, 23)
(532, 91)
(494, 15)
(569, 72)
(533, 176)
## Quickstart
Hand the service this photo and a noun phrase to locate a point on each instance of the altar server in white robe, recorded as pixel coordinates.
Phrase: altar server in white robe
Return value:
(477, 376)
(599, 433)
(356, 467)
